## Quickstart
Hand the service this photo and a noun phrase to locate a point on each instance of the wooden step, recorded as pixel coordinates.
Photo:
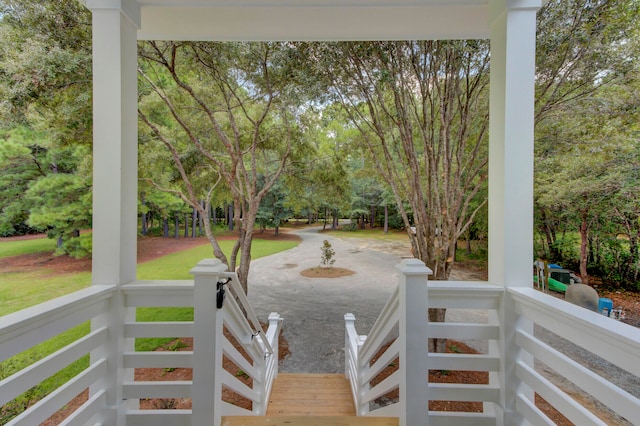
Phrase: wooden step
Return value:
(311, 395)
(308, 421)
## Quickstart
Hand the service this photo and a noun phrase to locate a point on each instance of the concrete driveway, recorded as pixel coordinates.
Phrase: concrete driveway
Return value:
(313, 308)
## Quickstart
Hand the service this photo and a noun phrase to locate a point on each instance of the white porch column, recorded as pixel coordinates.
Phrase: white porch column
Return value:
(115, 140)
(115, 175)
(513, 33)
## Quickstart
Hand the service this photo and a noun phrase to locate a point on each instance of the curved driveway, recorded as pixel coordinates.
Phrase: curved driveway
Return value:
(313, 308)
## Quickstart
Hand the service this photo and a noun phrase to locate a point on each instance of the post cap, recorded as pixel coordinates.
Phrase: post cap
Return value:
(210, 266)
(413, 267)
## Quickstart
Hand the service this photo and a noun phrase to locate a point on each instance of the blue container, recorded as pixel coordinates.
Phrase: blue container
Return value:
(604, 303)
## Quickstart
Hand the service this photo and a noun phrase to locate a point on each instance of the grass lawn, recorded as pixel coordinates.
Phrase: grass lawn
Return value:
(15, 248)
(21, 290)
(176, 266)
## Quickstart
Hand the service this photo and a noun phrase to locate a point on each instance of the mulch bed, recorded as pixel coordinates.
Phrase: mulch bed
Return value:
(321, 272)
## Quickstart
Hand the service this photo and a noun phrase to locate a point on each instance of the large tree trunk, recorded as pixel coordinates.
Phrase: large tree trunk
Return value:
(165, 226)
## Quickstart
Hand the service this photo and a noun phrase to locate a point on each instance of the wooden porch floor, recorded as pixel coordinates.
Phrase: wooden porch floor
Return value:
(311, 395)
(310, 400)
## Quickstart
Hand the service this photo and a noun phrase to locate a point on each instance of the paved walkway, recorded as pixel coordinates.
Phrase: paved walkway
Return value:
(313, 308)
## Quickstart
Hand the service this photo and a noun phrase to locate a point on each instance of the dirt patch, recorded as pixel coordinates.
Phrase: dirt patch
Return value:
(320, 272)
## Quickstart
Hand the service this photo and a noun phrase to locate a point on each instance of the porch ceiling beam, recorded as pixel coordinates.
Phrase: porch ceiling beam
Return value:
(313, 22)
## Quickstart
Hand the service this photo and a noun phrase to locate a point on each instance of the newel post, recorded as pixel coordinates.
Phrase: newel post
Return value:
(206, 395)
(414, 348)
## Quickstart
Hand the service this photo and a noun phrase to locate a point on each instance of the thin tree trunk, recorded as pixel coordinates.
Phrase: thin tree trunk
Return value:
(165, 226)
(386, 219)
(584, 233)
(186, 225)
(176, 222)
(324, 225)
(230, 217)
(144, 217)
(373, 217)
(194, 222)
(201, 219)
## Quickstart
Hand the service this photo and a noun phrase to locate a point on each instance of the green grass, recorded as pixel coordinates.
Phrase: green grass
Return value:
(176, 266)
(15, 248)
(21, 290)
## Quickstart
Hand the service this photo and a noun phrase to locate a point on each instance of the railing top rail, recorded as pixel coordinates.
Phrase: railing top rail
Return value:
(35, 316)
(479, 286)
(241, 297)
(146, 285)
(607, 338)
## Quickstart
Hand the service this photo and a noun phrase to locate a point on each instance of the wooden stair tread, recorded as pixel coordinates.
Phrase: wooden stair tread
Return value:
(308, 421)
(311, 395)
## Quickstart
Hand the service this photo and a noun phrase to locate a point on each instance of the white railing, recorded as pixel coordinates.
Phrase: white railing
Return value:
(614, 342)
(27, 328)
(257, 357)
(479, 307)
(360, 351)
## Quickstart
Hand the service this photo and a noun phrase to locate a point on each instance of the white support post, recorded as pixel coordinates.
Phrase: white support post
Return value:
(414, 348)
(513, 35)
(349, 324)
(270, 365)
(206, 395)
(115, 177)
(275, 321)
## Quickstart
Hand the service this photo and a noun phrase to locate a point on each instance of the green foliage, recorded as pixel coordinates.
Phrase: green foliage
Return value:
(78, 247)
(328, 252)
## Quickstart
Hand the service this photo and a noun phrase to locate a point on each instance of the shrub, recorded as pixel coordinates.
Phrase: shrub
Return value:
(327, 254)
